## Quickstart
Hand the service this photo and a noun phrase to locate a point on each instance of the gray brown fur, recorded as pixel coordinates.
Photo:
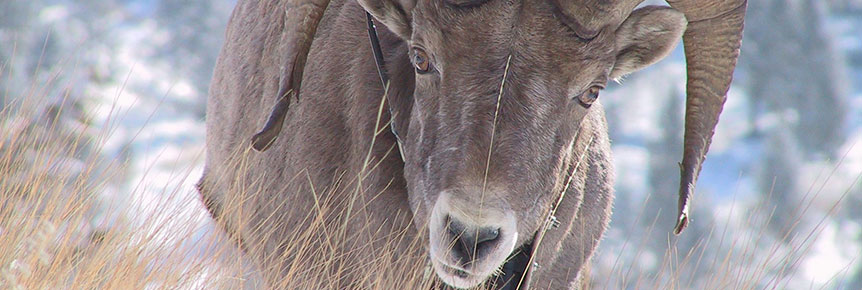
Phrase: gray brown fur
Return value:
(445, 121)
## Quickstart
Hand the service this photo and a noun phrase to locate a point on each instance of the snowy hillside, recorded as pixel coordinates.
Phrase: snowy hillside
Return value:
(787, 151)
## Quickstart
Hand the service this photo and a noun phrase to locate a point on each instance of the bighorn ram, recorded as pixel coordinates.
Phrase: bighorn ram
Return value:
(492, 106)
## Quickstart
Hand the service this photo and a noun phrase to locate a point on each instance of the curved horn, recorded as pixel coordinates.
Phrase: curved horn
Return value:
(711, 43)
(301, 21)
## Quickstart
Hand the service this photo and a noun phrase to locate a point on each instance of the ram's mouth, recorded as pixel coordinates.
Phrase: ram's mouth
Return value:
(455, 271)
(456, 277)
(511, 276)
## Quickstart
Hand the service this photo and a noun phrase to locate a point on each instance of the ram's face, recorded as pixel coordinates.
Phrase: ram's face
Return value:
(501, 88)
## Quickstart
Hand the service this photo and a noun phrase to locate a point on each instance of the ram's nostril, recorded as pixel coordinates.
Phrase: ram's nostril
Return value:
(470, 243)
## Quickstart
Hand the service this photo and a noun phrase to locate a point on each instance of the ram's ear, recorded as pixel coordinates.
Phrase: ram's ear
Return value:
(645, 37)
(395, 14)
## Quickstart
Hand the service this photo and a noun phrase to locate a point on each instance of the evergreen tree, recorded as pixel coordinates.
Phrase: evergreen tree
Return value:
(15, 13)
(663, 173)
(777, 182)
(14, 28)
(792, 69)
(196, 29)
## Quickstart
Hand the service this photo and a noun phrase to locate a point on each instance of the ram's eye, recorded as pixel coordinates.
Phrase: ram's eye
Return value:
(589, 96)
(421, 61)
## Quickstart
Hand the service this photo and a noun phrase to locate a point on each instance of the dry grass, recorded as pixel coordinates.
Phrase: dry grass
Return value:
(320, 252)
(51, 236)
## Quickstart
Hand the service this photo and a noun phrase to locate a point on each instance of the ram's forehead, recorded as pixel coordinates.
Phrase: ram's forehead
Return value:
(585, 16)
(595, 14)
(537, 25)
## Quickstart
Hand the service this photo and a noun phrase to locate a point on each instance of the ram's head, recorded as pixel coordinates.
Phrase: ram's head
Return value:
(519, 77)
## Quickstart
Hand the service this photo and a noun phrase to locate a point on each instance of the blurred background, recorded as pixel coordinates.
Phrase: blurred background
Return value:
(779, 198)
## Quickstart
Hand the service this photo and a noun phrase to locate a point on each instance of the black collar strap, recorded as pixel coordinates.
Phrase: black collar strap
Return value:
(378, 53)
(384, 77)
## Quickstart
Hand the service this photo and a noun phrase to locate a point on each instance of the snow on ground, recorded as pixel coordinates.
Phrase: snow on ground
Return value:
(833, 254)
(166, 145)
